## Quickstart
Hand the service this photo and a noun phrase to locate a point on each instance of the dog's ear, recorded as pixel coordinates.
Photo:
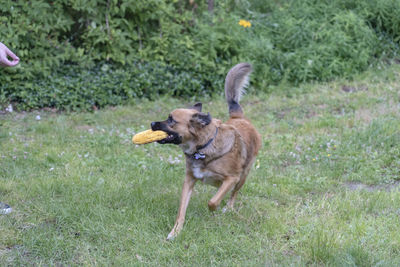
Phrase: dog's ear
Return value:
(197, 106)
(199, 120)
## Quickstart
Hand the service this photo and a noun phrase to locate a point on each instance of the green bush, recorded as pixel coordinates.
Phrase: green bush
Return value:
(72, 88)
(180, 45)
(311, 41)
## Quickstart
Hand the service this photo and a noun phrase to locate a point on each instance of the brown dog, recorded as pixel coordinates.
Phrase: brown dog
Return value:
(216, 153)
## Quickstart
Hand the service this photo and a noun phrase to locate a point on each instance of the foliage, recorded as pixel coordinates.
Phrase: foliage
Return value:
(72, 88)
(288, 40)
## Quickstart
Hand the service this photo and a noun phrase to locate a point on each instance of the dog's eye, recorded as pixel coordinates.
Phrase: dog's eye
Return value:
(171, 121)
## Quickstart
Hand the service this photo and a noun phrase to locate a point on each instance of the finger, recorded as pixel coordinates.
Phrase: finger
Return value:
(11, 54)
(13, 63)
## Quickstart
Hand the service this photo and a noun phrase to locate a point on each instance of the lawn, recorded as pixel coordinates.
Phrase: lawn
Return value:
(324, 189)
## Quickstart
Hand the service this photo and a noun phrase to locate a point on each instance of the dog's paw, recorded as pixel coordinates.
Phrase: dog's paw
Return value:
(228, 208)
(225, 209)
(171, 236)
(174, 232)
(212, 206)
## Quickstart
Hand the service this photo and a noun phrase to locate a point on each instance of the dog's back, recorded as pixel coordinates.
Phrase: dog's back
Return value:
(235, 82)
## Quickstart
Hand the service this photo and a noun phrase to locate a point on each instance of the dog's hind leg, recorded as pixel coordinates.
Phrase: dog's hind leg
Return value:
(226, 186)
(188, 185)
(231, 201)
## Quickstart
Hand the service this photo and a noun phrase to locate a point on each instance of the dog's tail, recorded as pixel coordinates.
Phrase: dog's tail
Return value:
(235, 82)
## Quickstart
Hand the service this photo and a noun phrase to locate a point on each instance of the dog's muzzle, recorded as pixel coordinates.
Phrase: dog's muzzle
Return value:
(172, 138)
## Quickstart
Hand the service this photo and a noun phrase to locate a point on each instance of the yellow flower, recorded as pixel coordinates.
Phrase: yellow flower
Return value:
(244, 23)
(329, 155)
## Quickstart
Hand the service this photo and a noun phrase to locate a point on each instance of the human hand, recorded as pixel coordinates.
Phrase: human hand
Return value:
(4, 54)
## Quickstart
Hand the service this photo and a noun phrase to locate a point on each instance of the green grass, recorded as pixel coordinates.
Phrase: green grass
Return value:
(323, 190)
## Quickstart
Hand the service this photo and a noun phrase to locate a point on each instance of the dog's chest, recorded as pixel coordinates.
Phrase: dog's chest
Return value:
(200, 172)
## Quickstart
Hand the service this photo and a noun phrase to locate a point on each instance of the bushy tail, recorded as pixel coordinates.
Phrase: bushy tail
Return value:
(235, 82)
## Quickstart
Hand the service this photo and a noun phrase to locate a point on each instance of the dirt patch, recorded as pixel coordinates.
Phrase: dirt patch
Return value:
(8, 253)
(367, 115)
(281, 114)
(358, 186)
(4, 251)
(351, 89)
(86, 128)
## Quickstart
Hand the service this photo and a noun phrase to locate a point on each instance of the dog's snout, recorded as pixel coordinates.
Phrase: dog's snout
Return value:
(155, 125)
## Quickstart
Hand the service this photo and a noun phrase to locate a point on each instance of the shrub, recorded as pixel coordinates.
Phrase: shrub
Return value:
(311, 42)
(73, 88)
(182, 46)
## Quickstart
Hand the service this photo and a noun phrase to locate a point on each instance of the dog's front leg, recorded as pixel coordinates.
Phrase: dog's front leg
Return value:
(185, 197)
(226, 186)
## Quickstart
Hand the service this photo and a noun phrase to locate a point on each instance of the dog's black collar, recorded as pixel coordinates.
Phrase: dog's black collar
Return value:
(199, 155)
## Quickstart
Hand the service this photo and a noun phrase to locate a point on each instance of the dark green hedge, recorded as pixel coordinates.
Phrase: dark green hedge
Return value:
(153, 47)
(72, 88)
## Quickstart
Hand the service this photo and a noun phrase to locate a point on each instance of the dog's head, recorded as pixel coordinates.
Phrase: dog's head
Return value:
(183, 125)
